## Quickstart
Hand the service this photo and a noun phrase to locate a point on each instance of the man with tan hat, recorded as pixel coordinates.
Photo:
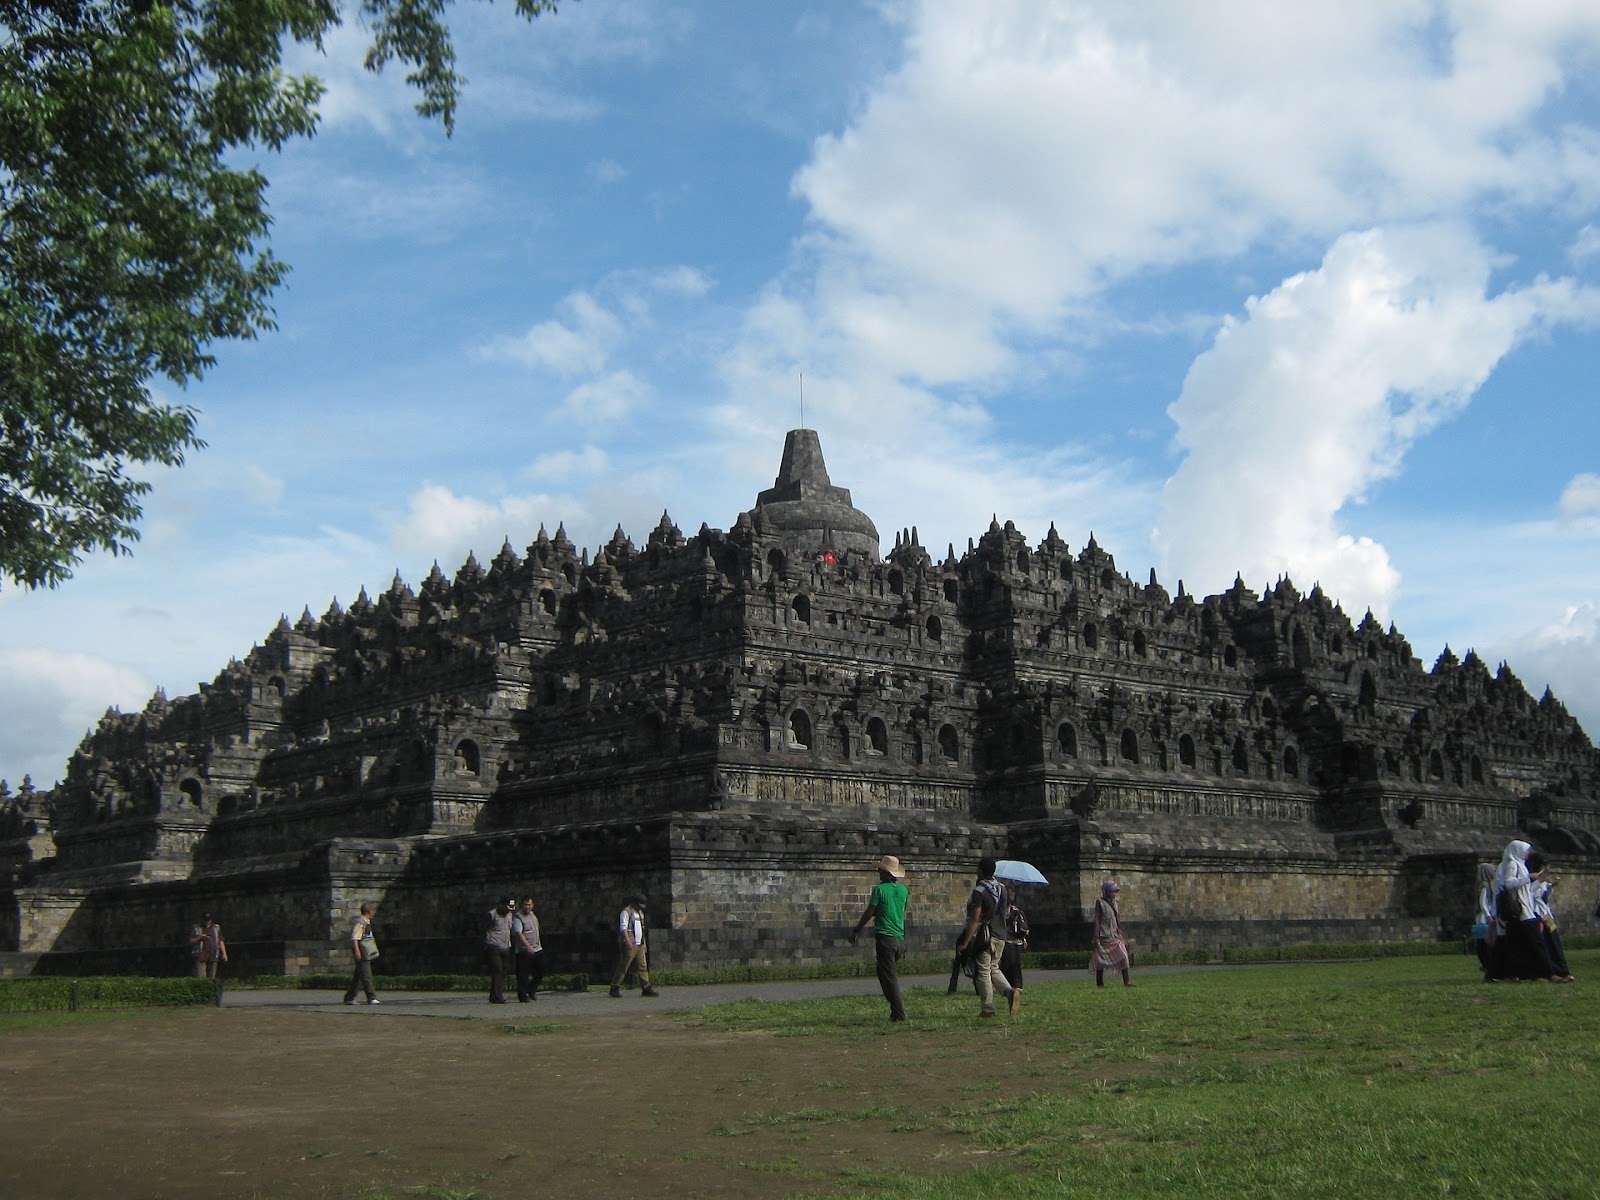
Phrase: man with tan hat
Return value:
(886, 909)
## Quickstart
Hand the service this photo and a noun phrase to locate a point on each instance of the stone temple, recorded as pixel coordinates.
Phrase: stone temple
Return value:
(738, 723)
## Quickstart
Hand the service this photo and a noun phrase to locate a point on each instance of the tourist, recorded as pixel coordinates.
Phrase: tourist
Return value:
(497, 948)
(1016, 940)
(197, 936)
(529, 951)
(631, 948)
(1526, 956)
(1110, 950)
(985, 937)
(362, 952)
(1544, 882)
(213, 949)
(886, 909)
(1491, 951)
(961, 964)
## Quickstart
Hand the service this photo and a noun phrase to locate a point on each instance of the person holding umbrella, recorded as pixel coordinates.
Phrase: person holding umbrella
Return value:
(1013, 873)
(1016, 940)
(986, 934)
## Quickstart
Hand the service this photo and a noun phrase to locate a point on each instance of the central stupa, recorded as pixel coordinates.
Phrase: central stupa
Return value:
(806, 510)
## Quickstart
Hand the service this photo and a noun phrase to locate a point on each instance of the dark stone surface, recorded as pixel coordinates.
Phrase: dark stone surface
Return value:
(738, 723)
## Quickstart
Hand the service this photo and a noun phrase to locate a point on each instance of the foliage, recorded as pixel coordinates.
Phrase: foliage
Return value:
(106, 992)
(130, 239)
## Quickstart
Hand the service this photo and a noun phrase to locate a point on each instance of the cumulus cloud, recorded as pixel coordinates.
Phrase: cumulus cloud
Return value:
(1580, 499)
(1024, 158)
(568, 464)
(588, 330)
(352, 95)
(682, 281)
(51, 700)
(263, 487)
(494, 51)
(1564, 653)
(608, 399)
(603, 172)
(441, 525)
(578, 344)
(1586, 245)
(1298, 409)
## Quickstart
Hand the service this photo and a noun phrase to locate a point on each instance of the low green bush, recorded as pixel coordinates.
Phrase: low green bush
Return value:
(104, 992)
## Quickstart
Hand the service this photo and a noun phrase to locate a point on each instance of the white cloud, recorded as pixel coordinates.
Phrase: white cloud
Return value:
(409, 198)
(352, 95)
(1586, 245)
(579, 345)
(1025, 157)
(683, 281)
(1564, 654)
(263, 488)
(493, 52)
(608, 399)
(443, 526)
(51, 700)
(1299, 409)
(1580, 499)
(605, 171)
(568, 464)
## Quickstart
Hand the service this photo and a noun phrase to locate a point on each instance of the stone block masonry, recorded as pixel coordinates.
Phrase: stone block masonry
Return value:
(737, 723)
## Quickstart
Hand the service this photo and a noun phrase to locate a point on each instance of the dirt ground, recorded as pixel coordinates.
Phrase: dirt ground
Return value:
(274, 1103)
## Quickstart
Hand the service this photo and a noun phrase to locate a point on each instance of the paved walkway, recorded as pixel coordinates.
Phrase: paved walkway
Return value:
(597, 1003)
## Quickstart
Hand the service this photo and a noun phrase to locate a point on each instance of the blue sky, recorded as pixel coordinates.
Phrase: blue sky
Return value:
(1252, 288)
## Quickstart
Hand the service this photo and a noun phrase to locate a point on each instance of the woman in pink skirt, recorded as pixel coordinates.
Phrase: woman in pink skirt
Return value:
(1110, 951)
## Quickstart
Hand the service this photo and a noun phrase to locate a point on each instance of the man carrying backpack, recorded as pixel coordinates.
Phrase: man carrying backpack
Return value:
(985, 937)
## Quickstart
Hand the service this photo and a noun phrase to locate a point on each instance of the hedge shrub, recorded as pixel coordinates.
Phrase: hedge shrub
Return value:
(104, 992)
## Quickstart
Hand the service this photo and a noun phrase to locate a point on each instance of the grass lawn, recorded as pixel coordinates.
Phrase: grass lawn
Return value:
(1384, 1078)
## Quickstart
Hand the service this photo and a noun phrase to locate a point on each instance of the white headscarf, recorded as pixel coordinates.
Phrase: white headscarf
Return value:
(1513, 876)
(1485, 892)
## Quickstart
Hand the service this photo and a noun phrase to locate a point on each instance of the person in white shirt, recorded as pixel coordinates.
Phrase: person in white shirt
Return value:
(361, 979)
(528, 951)
(631, 948)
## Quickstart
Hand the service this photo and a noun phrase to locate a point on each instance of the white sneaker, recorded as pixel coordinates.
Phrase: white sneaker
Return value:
(374, 1000)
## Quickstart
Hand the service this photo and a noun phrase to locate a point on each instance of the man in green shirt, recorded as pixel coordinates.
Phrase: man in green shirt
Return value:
(886, 909)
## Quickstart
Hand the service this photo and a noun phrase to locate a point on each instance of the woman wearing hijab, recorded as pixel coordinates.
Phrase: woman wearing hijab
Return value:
(1544, 882)
(1110, 950)
(1491, 951)
(1526, 956)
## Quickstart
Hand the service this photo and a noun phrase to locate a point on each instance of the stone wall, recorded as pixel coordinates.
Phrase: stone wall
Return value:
(738, 723)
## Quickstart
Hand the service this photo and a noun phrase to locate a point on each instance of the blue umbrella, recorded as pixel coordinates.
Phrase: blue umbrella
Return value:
(1014, 871)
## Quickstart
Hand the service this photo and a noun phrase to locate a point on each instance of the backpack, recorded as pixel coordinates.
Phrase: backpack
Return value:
(1016, 925)
(1508, 908)
(991, 895)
